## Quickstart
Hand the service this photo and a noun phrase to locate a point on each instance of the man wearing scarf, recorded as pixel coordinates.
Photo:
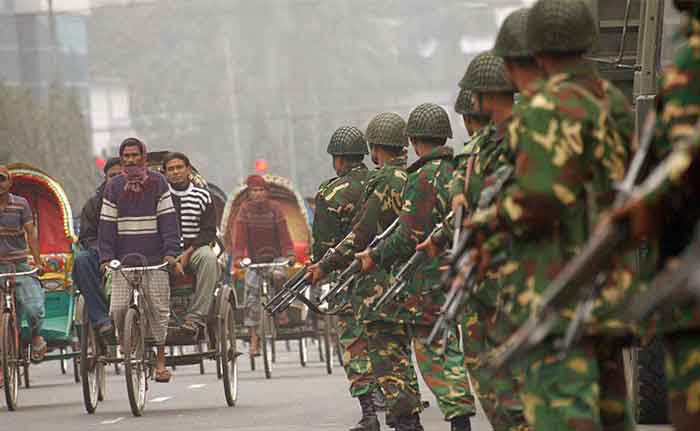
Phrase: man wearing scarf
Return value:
(259, 232)
(138, 222)
(86, 267)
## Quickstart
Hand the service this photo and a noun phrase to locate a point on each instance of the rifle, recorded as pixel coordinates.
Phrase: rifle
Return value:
(595, 256)
(459, 212)
(349, 275)
(292, 289)
(681, 277)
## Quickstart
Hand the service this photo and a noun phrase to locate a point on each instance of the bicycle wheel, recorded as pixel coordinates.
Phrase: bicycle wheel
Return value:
(135, 366)
(89, 363)
(265, 336)
(303, 352)
(328, 344)
(228, 355)
(10, 361)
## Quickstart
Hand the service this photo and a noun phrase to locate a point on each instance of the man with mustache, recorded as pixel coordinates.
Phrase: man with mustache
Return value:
(138, 218)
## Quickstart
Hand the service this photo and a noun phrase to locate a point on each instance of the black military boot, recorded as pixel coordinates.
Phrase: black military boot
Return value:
(408, 423)
(460, 423)
(369, 421)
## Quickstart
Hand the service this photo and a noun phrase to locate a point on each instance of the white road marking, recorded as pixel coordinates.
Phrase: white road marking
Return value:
(112, 421)
(197, 386)
(160, 399)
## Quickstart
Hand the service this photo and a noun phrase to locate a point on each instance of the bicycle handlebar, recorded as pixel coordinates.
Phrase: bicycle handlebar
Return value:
(19, 274)
(115, 265)
(264, 265)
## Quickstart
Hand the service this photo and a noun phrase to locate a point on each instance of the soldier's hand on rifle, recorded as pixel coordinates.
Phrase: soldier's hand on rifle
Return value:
(638, 215)
(316, 273)
(429, 247)
(366, 261)
(459, 200)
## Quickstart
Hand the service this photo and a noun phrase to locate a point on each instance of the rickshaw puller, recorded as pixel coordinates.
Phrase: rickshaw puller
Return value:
(261, 233)
(18, 238)
(86, 267)
(138, 218)
(195, 211)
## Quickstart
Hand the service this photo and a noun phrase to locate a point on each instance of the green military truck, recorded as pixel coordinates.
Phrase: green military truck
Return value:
(636, 41)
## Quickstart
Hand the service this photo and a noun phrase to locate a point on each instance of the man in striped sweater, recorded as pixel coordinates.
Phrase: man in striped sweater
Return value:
(138, 226)
(195, 211)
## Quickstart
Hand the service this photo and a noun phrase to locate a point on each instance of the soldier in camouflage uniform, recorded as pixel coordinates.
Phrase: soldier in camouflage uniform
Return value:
(425, 204)
(672, 215)
(571, 144)
(337, 204)
(380, 205)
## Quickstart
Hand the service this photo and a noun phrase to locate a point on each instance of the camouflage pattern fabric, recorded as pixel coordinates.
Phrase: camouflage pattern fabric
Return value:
(390, 353)
(381, 202)
(425, 204)
(337, 202)
(336, 205)
(444, 374)
(566, 394)
(683, 378)
(678, 112)
(356, 359)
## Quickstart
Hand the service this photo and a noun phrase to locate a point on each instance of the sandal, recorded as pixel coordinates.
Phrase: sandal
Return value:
(39, 351)
(190, 327)
(163, 376)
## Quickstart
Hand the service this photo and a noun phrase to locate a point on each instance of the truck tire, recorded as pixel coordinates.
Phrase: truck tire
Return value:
(652, 406)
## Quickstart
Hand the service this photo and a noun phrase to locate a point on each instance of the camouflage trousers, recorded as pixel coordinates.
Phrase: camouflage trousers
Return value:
(498, 392)
(584, 389)
(683, 378)
(442, 368)
(358, 367)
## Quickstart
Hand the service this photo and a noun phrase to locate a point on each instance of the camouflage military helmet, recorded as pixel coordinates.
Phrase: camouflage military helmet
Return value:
(464, 104)
(347, 141)
(428, 121)
(487, 74)
(561, 26)
(512, 37)
(387, 129)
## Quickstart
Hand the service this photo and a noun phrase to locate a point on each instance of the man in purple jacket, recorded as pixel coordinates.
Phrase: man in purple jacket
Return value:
(138, 219)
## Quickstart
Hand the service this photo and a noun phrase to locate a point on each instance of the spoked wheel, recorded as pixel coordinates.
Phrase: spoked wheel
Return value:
(135, 362)
(63, 361)
(328, 344)
(266, 339)
(10, 361)
(200, 349)
(90, 367)
(228, 354)
(303, 352)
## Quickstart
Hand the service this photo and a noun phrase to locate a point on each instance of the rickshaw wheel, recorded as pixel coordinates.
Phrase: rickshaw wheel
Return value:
(200, 349)
(135, 366)
(89, 352)
(265, 335)
(327, 344)
(10, 358)
(303, 352)
(63, 361)
(228, 355)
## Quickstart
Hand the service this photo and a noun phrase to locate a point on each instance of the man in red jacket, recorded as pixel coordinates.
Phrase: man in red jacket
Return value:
(260, 232)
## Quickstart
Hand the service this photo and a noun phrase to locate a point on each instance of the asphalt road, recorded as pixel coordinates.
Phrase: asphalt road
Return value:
(294, 399)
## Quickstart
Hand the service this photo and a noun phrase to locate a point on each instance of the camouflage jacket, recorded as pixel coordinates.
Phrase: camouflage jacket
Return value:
(425, 204)
(457, 184)
(678, 113)
(572, 143)
(337, 202)
(381, 203)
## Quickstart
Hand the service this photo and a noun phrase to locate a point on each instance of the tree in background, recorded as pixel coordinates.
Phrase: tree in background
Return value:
(54, 138)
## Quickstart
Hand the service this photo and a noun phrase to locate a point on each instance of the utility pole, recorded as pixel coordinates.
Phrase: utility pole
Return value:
(233, 103)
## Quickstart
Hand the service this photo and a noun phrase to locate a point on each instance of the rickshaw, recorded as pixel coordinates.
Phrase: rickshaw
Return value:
(217, 342)
(57, 241)
(300, 325)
